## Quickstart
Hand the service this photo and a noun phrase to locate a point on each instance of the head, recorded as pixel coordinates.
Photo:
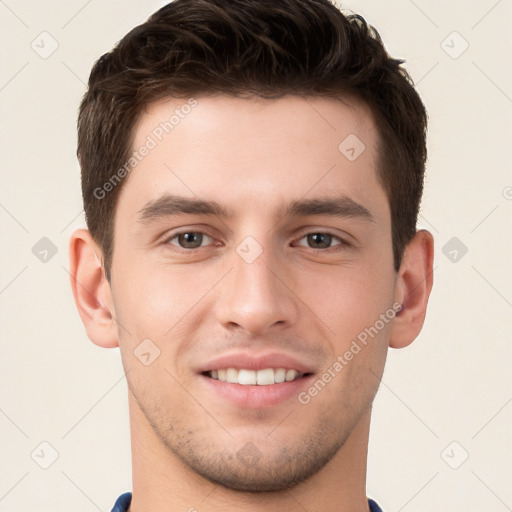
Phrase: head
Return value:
(242, 48)
(264, 95)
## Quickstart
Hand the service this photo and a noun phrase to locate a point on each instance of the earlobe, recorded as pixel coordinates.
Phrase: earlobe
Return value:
(414, 284)
(91, 290)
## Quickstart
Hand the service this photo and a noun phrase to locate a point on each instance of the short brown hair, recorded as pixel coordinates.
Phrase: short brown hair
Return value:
(265, 48)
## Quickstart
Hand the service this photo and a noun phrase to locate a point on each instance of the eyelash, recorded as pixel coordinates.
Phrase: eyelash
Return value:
(343, 243)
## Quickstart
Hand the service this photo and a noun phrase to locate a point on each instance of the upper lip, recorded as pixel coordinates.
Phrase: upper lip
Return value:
(248, 361)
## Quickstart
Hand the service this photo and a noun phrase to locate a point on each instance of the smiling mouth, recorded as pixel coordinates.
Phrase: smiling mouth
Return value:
(263, 377)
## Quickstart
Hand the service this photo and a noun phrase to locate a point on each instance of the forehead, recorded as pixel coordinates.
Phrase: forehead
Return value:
(241, 151)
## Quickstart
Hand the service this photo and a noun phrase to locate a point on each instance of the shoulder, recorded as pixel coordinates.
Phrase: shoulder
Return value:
(122, 503)
(373, 506)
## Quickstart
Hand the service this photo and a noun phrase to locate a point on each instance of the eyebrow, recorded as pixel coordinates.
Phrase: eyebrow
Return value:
(170, 205)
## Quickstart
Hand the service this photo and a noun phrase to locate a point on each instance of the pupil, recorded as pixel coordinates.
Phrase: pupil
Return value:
(191, 240)
(320, 239)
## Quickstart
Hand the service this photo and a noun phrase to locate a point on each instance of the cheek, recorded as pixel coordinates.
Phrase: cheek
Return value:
(348, 300)
(161, 301)
(142, 301)
(357, 337)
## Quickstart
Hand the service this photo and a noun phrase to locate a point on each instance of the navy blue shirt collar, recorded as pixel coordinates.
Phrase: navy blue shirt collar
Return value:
(123, 502)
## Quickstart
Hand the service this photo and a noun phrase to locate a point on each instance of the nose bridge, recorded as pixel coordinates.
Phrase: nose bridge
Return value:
(254, 295)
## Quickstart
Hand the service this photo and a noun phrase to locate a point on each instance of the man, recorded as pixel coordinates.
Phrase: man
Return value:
(251, 175)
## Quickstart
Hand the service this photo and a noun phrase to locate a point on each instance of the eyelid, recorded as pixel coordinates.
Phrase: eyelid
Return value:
(169, 240)
(343, 242)
(180, 231)
(343, 236)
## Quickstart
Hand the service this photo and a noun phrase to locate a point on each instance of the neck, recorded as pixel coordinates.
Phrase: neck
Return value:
(162, 483)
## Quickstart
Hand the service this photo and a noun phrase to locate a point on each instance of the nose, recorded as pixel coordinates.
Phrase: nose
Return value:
(256, 296)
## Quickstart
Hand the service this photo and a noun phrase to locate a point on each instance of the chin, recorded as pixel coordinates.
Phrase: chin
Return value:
(248, 470)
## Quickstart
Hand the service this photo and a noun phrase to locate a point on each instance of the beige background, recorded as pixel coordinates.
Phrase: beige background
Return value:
(452, 385)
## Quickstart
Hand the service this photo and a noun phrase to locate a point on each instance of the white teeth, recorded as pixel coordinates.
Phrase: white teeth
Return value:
(232, 375)
(247, 377)
(291, 374)
(279, 375)
(263, 377)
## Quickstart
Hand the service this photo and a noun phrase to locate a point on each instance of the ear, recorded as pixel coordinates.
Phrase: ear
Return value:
(91, 290)
(413, 286)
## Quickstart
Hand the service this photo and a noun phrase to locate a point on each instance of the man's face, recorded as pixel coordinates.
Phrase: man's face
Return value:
(264, 287)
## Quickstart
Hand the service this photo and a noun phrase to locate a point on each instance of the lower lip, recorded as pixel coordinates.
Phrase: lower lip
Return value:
(257, 396)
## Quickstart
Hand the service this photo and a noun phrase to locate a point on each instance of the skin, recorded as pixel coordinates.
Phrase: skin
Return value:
(309, 301)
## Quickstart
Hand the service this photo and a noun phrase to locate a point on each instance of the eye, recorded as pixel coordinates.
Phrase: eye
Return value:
(320, 240)
(189, 239)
